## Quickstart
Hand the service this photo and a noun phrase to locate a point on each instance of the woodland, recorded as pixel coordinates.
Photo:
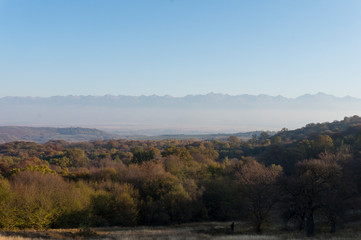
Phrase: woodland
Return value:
(303, 180)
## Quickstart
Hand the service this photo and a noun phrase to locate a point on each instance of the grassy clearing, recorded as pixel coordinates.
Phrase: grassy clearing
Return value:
(194, 231)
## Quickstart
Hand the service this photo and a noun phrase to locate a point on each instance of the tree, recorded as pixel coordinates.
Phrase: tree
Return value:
(39, 199)
(259, 184)
(264, 138)
(234, 141)
(322, 143)
(6, 211)
(140, 155)
(178, 204)
(222, 199)
(116, 207)
(276, 140)
(76, 156)
(313, 187)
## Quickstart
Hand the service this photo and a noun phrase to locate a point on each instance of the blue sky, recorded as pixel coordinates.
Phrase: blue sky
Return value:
(180, 47)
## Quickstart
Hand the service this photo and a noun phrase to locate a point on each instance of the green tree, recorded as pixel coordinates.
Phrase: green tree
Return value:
(322, 143)
(140, 155)
(77, 157)
(6, 209)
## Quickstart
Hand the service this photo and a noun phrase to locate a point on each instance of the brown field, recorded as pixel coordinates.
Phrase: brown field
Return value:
(194, 231)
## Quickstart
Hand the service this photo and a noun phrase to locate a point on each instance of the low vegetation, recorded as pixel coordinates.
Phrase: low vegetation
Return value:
(194, 231)
(306, 185)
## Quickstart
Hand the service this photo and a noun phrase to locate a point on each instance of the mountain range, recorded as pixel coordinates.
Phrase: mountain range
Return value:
(192, 114)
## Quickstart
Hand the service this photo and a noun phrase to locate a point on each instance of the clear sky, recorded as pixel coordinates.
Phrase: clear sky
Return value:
(180, 47)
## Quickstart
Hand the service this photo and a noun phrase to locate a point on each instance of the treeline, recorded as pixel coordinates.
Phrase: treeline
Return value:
(305, 184)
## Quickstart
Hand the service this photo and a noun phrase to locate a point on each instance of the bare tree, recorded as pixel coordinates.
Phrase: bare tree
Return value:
(260, 189)
(315, 186)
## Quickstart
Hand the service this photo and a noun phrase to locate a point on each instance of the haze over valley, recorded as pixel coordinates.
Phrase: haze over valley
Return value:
(192, 114)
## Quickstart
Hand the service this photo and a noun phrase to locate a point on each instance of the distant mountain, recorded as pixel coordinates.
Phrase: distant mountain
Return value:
(167, 115)
(44, 134)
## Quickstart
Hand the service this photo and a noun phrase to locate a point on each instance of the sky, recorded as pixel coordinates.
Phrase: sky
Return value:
(180, 47)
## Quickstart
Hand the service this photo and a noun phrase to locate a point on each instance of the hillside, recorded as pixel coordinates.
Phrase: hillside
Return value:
(347, 126)
(218, 136)
(44, 134)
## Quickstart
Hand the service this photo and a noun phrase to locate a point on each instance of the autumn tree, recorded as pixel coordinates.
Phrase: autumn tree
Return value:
(39, 199)
(322, 143)
(260, 189)
(313, 187)
(114, 206)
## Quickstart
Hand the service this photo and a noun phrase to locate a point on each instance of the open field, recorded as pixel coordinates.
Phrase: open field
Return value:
(194, 231)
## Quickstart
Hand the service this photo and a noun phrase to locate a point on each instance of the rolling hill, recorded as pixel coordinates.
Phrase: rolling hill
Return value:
(44, 134)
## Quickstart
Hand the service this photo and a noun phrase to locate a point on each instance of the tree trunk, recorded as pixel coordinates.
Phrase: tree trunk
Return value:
(258, 228)
(258, 225)
(301, 221)
(333, 225)
(285, 225)
(310, 224)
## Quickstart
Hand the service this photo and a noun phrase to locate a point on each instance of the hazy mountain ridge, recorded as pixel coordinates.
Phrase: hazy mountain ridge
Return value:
(211, 113)
(195, 100)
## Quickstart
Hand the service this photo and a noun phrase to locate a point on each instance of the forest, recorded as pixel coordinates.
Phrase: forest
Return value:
(304, 180)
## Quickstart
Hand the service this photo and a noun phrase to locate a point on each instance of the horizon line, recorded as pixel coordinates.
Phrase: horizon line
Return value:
(184, 96)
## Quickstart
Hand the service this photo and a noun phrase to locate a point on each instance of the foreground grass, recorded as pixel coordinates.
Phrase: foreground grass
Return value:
(194, 231)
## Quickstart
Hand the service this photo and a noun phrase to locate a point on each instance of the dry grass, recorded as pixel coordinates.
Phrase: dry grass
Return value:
(18, 238)
(194, 231)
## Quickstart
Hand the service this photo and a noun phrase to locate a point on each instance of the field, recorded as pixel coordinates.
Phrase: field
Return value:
(194, 231)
